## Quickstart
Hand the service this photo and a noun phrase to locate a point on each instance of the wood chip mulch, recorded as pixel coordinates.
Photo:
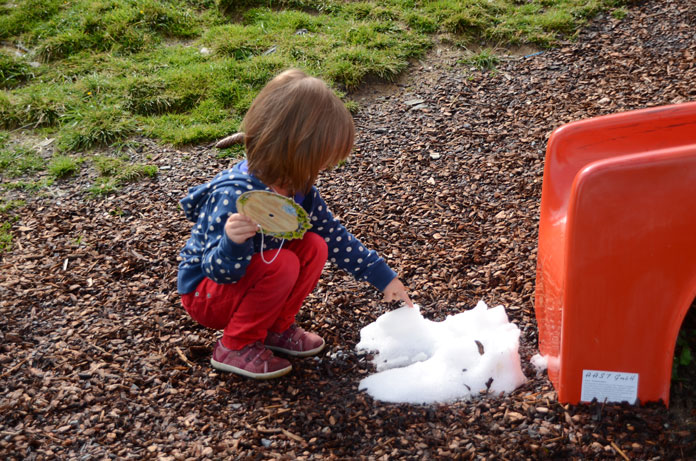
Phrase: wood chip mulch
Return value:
(100, 361)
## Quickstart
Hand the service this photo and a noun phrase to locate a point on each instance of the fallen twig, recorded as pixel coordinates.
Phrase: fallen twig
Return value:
(620, 451)
(16, 367)
(183, 357)
(294, 437)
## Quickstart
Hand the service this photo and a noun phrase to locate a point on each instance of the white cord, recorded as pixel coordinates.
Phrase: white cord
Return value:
(262, 245)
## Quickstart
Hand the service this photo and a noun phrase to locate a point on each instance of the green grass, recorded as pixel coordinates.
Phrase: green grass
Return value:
(19, 161)
(13, 71)
(98, 73)
(63, 166)
(6, 221)
(619, 13)
(6, 207)
(15, 161)
(5, 236)
(29, 186)
(485, 59)
(103, 187)
(115, 172)
(684, 363)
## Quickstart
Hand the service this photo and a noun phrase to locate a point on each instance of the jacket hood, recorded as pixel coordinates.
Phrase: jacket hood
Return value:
(236, 177)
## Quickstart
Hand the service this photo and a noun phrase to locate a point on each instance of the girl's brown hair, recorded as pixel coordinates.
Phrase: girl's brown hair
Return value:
(295, 128)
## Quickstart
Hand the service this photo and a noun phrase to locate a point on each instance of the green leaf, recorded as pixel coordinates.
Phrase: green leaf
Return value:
(686, 357)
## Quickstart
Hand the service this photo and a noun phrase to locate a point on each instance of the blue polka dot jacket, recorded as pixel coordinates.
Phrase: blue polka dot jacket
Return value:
(210, 253)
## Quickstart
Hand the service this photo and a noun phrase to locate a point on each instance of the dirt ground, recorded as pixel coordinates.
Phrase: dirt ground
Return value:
(100, 361)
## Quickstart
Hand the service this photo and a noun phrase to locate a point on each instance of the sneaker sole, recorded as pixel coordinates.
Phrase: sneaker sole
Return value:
(308, 353)
(249, 374)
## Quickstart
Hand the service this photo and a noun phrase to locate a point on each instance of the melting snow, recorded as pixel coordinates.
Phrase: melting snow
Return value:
(421, 361)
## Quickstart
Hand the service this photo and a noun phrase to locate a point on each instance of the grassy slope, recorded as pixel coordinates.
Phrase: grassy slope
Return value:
(95, 73)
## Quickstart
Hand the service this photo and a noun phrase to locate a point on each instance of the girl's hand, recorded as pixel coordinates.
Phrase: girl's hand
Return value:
(240, 228)
(396, 291)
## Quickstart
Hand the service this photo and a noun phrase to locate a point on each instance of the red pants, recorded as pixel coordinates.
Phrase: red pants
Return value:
(266, 298)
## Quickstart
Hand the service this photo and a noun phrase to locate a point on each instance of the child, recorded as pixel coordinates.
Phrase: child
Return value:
(295, 128)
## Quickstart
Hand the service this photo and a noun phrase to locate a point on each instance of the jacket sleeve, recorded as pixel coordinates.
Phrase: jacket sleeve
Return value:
(345, 250)
(224, 261)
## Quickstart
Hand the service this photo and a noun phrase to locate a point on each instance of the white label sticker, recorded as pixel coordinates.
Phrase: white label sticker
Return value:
(609, 386)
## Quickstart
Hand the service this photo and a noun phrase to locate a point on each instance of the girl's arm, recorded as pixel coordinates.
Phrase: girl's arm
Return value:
(227, 254)
(348, 253)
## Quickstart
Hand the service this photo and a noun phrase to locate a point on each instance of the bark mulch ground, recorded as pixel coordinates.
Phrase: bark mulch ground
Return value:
(100, 361)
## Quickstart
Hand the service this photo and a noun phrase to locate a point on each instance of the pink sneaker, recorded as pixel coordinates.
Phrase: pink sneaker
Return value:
(252, 361)
(295, 341)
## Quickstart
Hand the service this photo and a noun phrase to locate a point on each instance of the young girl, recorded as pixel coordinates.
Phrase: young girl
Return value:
(295, 128)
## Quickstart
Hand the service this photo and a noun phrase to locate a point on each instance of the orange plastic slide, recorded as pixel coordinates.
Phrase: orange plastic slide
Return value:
(616, 268)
